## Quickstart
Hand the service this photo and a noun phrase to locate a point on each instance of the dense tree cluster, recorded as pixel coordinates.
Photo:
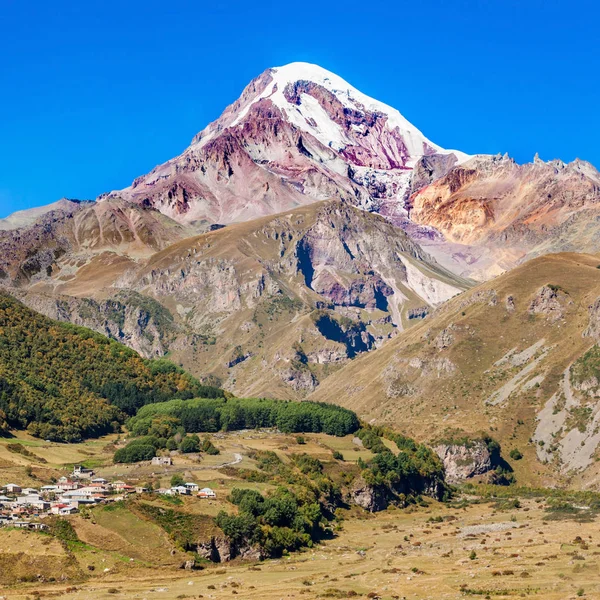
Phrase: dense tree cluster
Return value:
(64, 383)
(146, 447)
(209, 415)
(414, 469)
(279, 522)
(294, 515)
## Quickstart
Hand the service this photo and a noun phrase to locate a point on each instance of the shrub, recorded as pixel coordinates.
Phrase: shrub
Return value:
(189, 444)
(133, 453)
(209, 448)
(516, 454)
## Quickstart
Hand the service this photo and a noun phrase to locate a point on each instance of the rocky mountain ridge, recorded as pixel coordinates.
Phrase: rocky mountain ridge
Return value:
(268, 307)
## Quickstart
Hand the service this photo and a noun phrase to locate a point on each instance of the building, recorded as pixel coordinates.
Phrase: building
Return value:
(206, 493)
(141, 490)
(80, 472)
(181, 490)
(64, 484)
(32, 501)
(162, 461)
(13, 488)
(64, 509)
(192, 487)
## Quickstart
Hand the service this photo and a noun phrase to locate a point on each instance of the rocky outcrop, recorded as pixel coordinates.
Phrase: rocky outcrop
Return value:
(429, 169)
(221, 549)
(368, 496)
(550, 301)
(593, 328)
(418, 313)
(494, 213)
(299, 378)
(377, 497)
(463, 461)
(444, 338)
(135, 320)
(509, 303)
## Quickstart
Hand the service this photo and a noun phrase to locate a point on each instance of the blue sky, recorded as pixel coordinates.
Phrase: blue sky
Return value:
(96, 93)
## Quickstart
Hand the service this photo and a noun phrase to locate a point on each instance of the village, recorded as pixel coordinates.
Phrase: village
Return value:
(27, 507)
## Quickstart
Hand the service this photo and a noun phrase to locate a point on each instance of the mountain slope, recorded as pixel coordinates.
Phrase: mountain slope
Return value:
(297, 134)
(300, 134)
(490, 213)
(269, 307)
(62, 240)
(64, 383)
(515, 356)
(23, 218)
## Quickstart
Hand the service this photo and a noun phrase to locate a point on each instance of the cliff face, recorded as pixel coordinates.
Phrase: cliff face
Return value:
(128, 317)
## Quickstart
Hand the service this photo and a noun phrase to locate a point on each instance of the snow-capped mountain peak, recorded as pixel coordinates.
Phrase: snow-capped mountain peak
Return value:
(297, 134)
(307, 113)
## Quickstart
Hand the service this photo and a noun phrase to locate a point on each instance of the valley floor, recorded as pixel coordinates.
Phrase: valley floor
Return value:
(523, 545)
(438, 552)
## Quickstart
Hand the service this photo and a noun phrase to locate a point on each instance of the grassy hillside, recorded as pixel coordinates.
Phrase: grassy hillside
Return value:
(63, 382)
(508, 357)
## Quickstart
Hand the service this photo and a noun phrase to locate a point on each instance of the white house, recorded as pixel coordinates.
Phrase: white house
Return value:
(206, 493)
(162, 461)
(181, 490)
(13, 488)
(192, 487)
(86, 492)
(80, 472)
(64, 509)
(33, 501)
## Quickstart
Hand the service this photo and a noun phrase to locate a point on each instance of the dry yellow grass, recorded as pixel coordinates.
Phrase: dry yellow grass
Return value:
(420, 553)
(394, 554)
